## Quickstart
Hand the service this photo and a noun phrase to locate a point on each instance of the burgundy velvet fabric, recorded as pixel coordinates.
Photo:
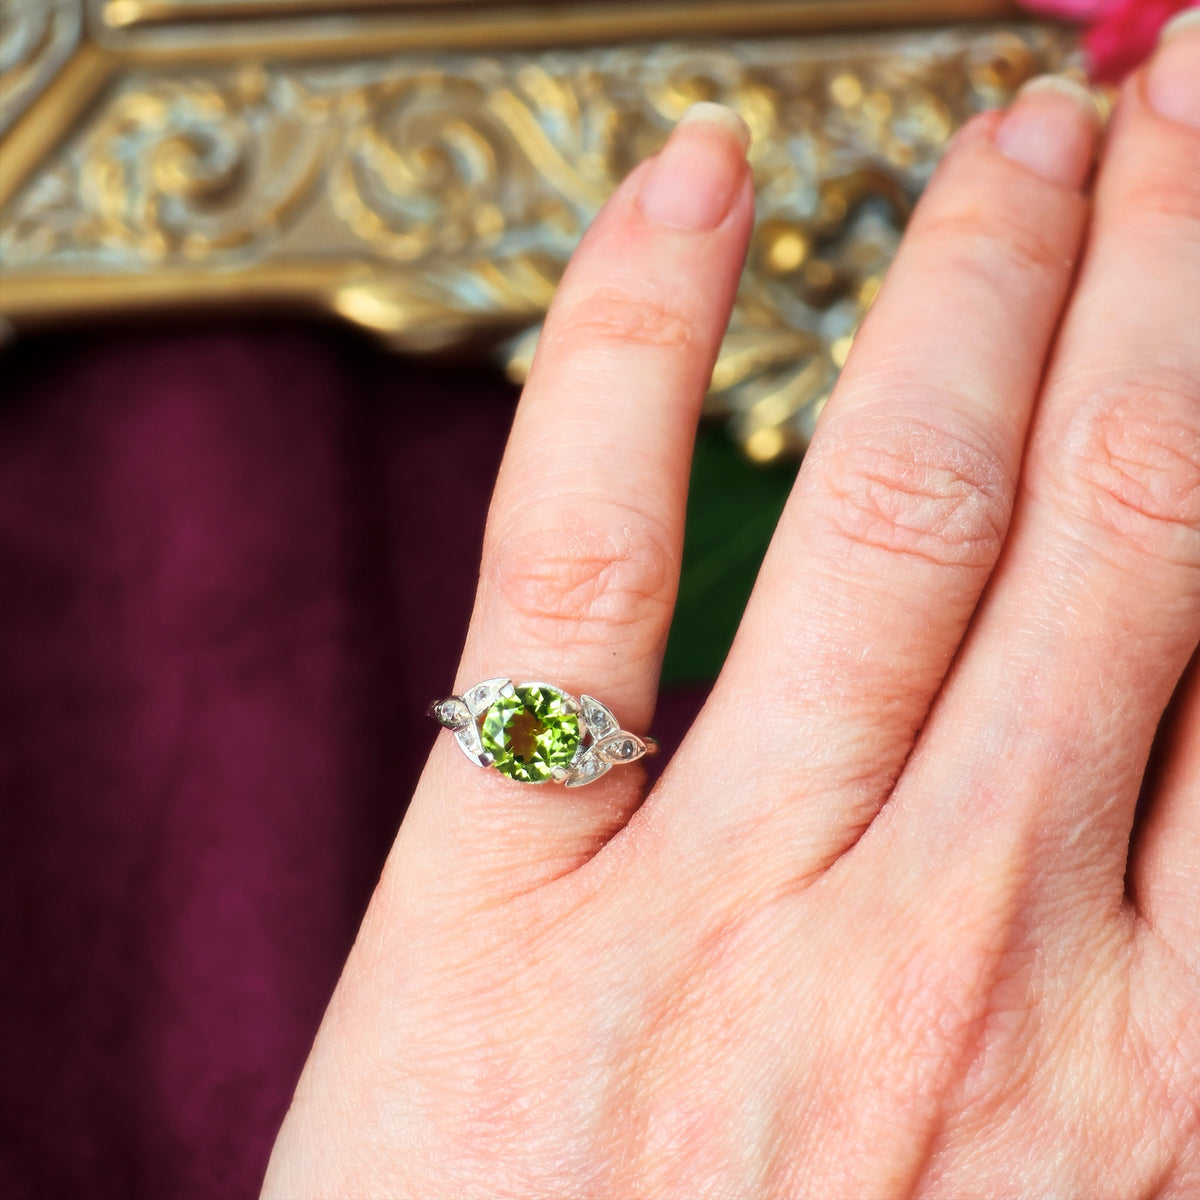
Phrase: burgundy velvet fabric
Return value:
(235, 566)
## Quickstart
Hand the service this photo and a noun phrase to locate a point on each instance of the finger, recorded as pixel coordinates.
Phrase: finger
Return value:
(1165, 871)
(903, 500)
(1096, 608)
(581, 554)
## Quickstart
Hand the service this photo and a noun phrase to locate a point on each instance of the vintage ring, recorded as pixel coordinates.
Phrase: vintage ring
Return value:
(535, 732)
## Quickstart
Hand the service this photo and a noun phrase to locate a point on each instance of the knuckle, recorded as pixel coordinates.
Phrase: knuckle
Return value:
(993, 244)
(1161, 196)
(618, 314)
(571, 581)
(921, 492)
(1134, 459)
(965, 1010)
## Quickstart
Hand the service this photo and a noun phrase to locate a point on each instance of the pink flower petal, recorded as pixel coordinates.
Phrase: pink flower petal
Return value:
(1070, 10)
(1126, 35)
(1121, 33)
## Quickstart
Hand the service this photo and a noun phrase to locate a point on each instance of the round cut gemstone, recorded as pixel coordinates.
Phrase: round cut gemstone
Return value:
(531, 732)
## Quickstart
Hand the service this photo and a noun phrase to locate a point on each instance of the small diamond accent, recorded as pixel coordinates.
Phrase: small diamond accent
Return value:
(453, 712)
(468, 739)
(484, 694)
(586, 768)
(621, 748)
(599, 720)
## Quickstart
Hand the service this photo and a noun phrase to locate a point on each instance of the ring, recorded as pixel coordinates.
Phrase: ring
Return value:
(535, 732)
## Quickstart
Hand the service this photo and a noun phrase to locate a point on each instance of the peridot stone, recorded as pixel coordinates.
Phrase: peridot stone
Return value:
(531, 732)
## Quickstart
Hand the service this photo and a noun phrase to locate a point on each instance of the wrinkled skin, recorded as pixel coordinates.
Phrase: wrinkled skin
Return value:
(893, 922)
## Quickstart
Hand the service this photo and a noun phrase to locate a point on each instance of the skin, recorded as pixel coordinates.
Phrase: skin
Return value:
(893, 922)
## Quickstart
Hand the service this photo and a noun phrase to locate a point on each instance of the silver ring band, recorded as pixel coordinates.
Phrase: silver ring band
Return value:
(537, 733)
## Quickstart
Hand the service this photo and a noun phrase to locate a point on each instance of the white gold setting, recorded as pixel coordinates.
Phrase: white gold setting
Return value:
(602, 744)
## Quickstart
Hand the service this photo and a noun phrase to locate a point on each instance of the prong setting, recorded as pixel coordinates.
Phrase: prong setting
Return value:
(486, 739)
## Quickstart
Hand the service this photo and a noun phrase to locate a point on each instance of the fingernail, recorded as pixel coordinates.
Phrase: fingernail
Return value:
(1180, 23)
(698, 173)
(1173, 85)
(1052, 129)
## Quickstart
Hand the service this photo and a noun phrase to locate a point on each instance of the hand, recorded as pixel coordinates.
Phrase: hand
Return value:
(883, 928)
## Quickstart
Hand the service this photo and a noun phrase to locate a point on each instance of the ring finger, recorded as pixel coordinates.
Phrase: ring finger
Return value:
(581, 554)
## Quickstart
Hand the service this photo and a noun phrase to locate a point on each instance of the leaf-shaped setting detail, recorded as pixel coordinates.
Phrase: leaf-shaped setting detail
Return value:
(620, 747)
(472, 746)
(586, 769)
(483, 695)
(598, 719)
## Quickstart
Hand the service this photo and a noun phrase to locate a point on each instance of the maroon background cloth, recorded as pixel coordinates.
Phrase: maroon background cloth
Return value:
(235, 566)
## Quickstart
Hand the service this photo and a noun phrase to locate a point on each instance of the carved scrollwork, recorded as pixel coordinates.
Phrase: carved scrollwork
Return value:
(175, 168)
(436, 198)
(846, 133)
(443, 162)
(36, 38)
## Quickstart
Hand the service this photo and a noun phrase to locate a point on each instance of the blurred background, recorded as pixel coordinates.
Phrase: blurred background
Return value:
(271, 273)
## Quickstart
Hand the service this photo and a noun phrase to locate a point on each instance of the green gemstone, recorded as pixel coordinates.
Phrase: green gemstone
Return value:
(531, 732)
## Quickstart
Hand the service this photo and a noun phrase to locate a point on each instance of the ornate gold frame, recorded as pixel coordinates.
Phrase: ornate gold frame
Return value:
(424, 171)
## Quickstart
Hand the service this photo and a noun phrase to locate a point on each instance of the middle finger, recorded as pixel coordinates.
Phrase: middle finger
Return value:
(902, 504)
